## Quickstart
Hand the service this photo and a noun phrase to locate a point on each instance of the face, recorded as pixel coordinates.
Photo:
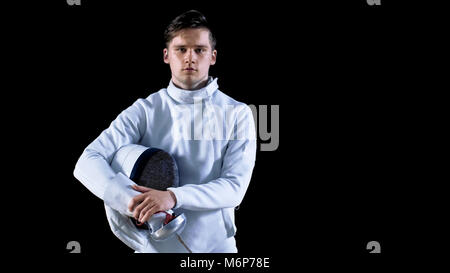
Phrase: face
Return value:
(190, 55)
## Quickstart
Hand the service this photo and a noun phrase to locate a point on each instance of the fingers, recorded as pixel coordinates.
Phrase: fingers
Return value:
(138, 198)
(136, 201)
(148, 214)
(141, 188)
(144, 204)
(145, 212)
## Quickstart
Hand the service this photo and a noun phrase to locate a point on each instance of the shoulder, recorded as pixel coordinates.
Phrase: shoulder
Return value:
(155, 97)
(141, 106)
(224, 100)
(151, 101)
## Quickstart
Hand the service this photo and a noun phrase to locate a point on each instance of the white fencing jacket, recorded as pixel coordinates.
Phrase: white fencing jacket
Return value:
(213, 140)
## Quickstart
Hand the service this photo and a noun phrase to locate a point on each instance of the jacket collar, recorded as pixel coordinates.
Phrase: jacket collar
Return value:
(187, 96)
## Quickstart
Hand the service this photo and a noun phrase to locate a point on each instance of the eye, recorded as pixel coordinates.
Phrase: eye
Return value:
(199, 50)
(181, 49)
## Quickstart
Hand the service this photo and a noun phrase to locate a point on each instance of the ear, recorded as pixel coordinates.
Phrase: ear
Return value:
(213, 57)
(166, 55)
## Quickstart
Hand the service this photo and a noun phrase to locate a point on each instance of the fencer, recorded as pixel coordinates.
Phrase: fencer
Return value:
(210, 135)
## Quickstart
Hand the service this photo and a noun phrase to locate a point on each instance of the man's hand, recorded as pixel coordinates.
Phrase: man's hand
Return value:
(150, 202)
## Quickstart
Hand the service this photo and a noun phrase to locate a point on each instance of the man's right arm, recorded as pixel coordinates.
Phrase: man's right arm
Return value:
(93, 168)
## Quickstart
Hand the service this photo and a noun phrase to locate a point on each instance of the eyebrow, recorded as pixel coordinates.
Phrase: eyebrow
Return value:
(202, 46)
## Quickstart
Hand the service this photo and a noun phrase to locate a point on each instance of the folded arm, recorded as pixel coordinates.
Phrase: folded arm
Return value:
(93, 168)
(229, 189)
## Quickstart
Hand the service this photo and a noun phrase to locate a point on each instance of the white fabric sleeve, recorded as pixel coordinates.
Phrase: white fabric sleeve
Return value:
(93, 168)
(229, 189)
(119, 193)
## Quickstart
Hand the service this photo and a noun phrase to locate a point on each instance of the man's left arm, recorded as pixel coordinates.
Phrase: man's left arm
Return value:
(229, 189)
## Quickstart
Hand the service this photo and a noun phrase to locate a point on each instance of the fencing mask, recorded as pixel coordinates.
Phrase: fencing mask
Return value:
(153, 168)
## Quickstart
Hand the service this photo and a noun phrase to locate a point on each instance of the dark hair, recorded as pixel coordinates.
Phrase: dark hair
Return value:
(189, 19)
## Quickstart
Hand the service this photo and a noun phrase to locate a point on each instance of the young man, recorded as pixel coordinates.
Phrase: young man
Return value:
(210, 135)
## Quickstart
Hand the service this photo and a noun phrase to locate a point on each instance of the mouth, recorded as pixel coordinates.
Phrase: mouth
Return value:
(189, 69)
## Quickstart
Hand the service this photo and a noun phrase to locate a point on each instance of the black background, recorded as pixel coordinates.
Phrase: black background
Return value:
(357, 118)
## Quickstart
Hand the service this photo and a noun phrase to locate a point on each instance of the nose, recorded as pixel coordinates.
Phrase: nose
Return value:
(190, 56)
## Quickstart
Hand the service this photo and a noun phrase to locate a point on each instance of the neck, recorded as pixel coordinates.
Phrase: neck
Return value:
(190, 86)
